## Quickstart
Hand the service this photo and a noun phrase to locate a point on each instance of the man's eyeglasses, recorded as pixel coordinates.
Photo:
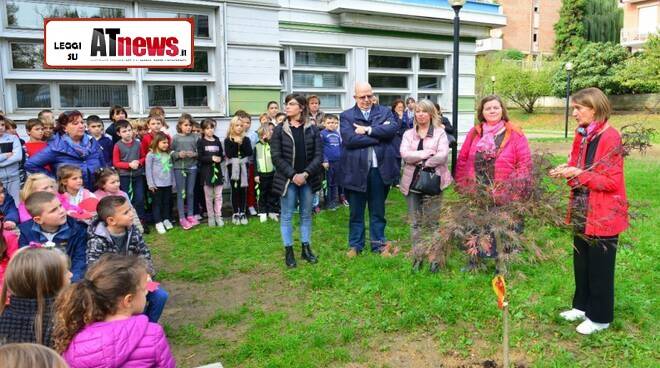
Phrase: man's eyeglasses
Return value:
(365, 97)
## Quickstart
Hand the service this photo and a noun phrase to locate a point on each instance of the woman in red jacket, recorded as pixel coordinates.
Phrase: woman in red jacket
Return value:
(598, 209)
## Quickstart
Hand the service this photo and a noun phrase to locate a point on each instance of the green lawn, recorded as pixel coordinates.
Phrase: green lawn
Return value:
(555, 121)
(232, 300)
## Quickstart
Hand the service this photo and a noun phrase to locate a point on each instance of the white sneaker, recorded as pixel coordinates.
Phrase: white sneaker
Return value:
(219, 221)
(588, 327)
(244, 220)
(168, 225)
(252, 211)
(573, 315)
(211, 220)
(235, 219)
(160, 228)
(273, 216)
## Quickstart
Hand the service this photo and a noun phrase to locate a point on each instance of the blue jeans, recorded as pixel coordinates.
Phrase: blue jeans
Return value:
(185, 189)
(155, 304)
(374, 197)
(134, 187)
(288, 202)
(332, 177)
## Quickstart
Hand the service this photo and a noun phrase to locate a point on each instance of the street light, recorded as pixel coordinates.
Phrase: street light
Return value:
(492, 79)
(456, 5)
(568, 67)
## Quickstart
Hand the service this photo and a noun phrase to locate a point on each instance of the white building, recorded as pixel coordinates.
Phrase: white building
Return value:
(250, 52)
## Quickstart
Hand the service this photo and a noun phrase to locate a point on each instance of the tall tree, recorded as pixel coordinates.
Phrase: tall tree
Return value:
(603, 20)
(569, 30)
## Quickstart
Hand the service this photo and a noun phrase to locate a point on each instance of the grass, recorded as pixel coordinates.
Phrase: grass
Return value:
(232, 300)
(554, 122)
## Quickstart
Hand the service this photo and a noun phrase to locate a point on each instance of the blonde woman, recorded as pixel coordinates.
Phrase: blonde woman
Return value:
(424, 147)
(238, 151)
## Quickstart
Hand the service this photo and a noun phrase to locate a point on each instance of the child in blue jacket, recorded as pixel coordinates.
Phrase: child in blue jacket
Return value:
(51, 227)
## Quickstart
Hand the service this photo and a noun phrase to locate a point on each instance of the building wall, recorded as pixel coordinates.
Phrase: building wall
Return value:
(518, 31)
(635, 30)
(261, 50)
(630, 12)
(523, 23)
(549, 15)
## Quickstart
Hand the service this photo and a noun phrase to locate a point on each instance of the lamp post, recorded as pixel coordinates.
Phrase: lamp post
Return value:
(568, 67)
(492, 80)
(456, 5)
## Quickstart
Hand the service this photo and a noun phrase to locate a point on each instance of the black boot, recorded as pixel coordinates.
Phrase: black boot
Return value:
(289, 258)
(307, 254)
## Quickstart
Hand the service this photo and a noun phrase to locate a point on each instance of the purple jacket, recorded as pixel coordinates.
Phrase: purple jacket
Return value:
(130, 343)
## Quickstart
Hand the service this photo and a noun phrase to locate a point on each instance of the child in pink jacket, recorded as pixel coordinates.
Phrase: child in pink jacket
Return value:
(118, 336)
(8, 246)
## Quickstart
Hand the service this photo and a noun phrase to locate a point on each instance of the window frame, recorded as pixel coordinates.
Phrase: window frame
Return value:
(288, 69)
(412, 74)
(5, 21)
(54, 88)
(178, 95)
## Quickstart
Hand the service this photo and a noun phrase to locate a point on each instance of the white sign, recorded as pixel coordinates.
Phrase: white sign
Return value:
(118, 43)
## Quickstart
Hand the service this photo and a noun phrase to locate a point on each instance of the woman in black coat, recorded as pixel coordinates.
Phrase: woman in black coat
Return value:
(297, 153)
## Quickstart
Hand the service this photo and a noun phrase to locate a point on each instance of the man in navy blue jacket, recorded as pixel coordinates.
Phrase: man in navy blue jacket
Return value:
(50, 226)
(368, 165)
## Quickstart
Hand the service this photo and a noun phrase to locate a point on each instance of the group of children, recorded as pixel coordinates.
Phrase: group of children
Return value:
(85, 290)
(75, 271)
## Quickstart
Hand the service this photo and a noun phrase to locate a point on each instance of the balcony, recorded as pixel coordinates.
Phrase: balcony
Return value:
(634, 38)
(488, 45)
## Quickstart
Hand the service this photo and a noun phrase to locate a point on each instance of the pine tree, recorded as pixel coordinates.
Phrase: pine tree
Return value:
(570, 29)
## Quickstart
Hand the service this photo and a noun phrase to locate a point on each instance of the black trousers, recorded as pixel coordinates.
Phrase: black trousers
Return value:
(267, 199)
(593, 264)
(161, 206)
(238, 197)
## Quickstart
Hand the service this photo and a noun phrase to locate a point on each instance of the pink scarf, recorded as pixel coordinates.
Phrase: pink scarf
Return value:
(487, 142)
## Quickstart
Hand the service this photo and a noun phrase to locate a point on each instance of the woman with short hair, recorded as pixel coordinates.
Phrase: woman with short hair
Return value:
(598, 209)
(69, 146)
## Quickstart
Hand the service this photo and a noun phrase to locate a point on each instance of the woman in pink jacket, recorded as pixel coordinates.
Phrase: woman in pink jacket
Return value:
(495, 154)
(423, 147)
(99, 321)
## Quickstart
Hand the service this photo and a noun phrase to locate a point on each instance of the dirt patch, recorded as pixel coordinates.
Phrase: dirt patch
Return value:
(204, 299)
(237, 295)
(422, 350)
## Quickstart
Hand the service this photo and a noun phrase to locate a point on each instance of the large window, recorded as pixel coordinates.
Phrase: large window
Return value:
(30, 56)
(394, 76)
(31, 86)
(27, 55)
(178, 95)
(33, 95)
(201, 27)
(315, 72)
(93, 95)
(178, 89)
(30, 14)
(162, 95)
